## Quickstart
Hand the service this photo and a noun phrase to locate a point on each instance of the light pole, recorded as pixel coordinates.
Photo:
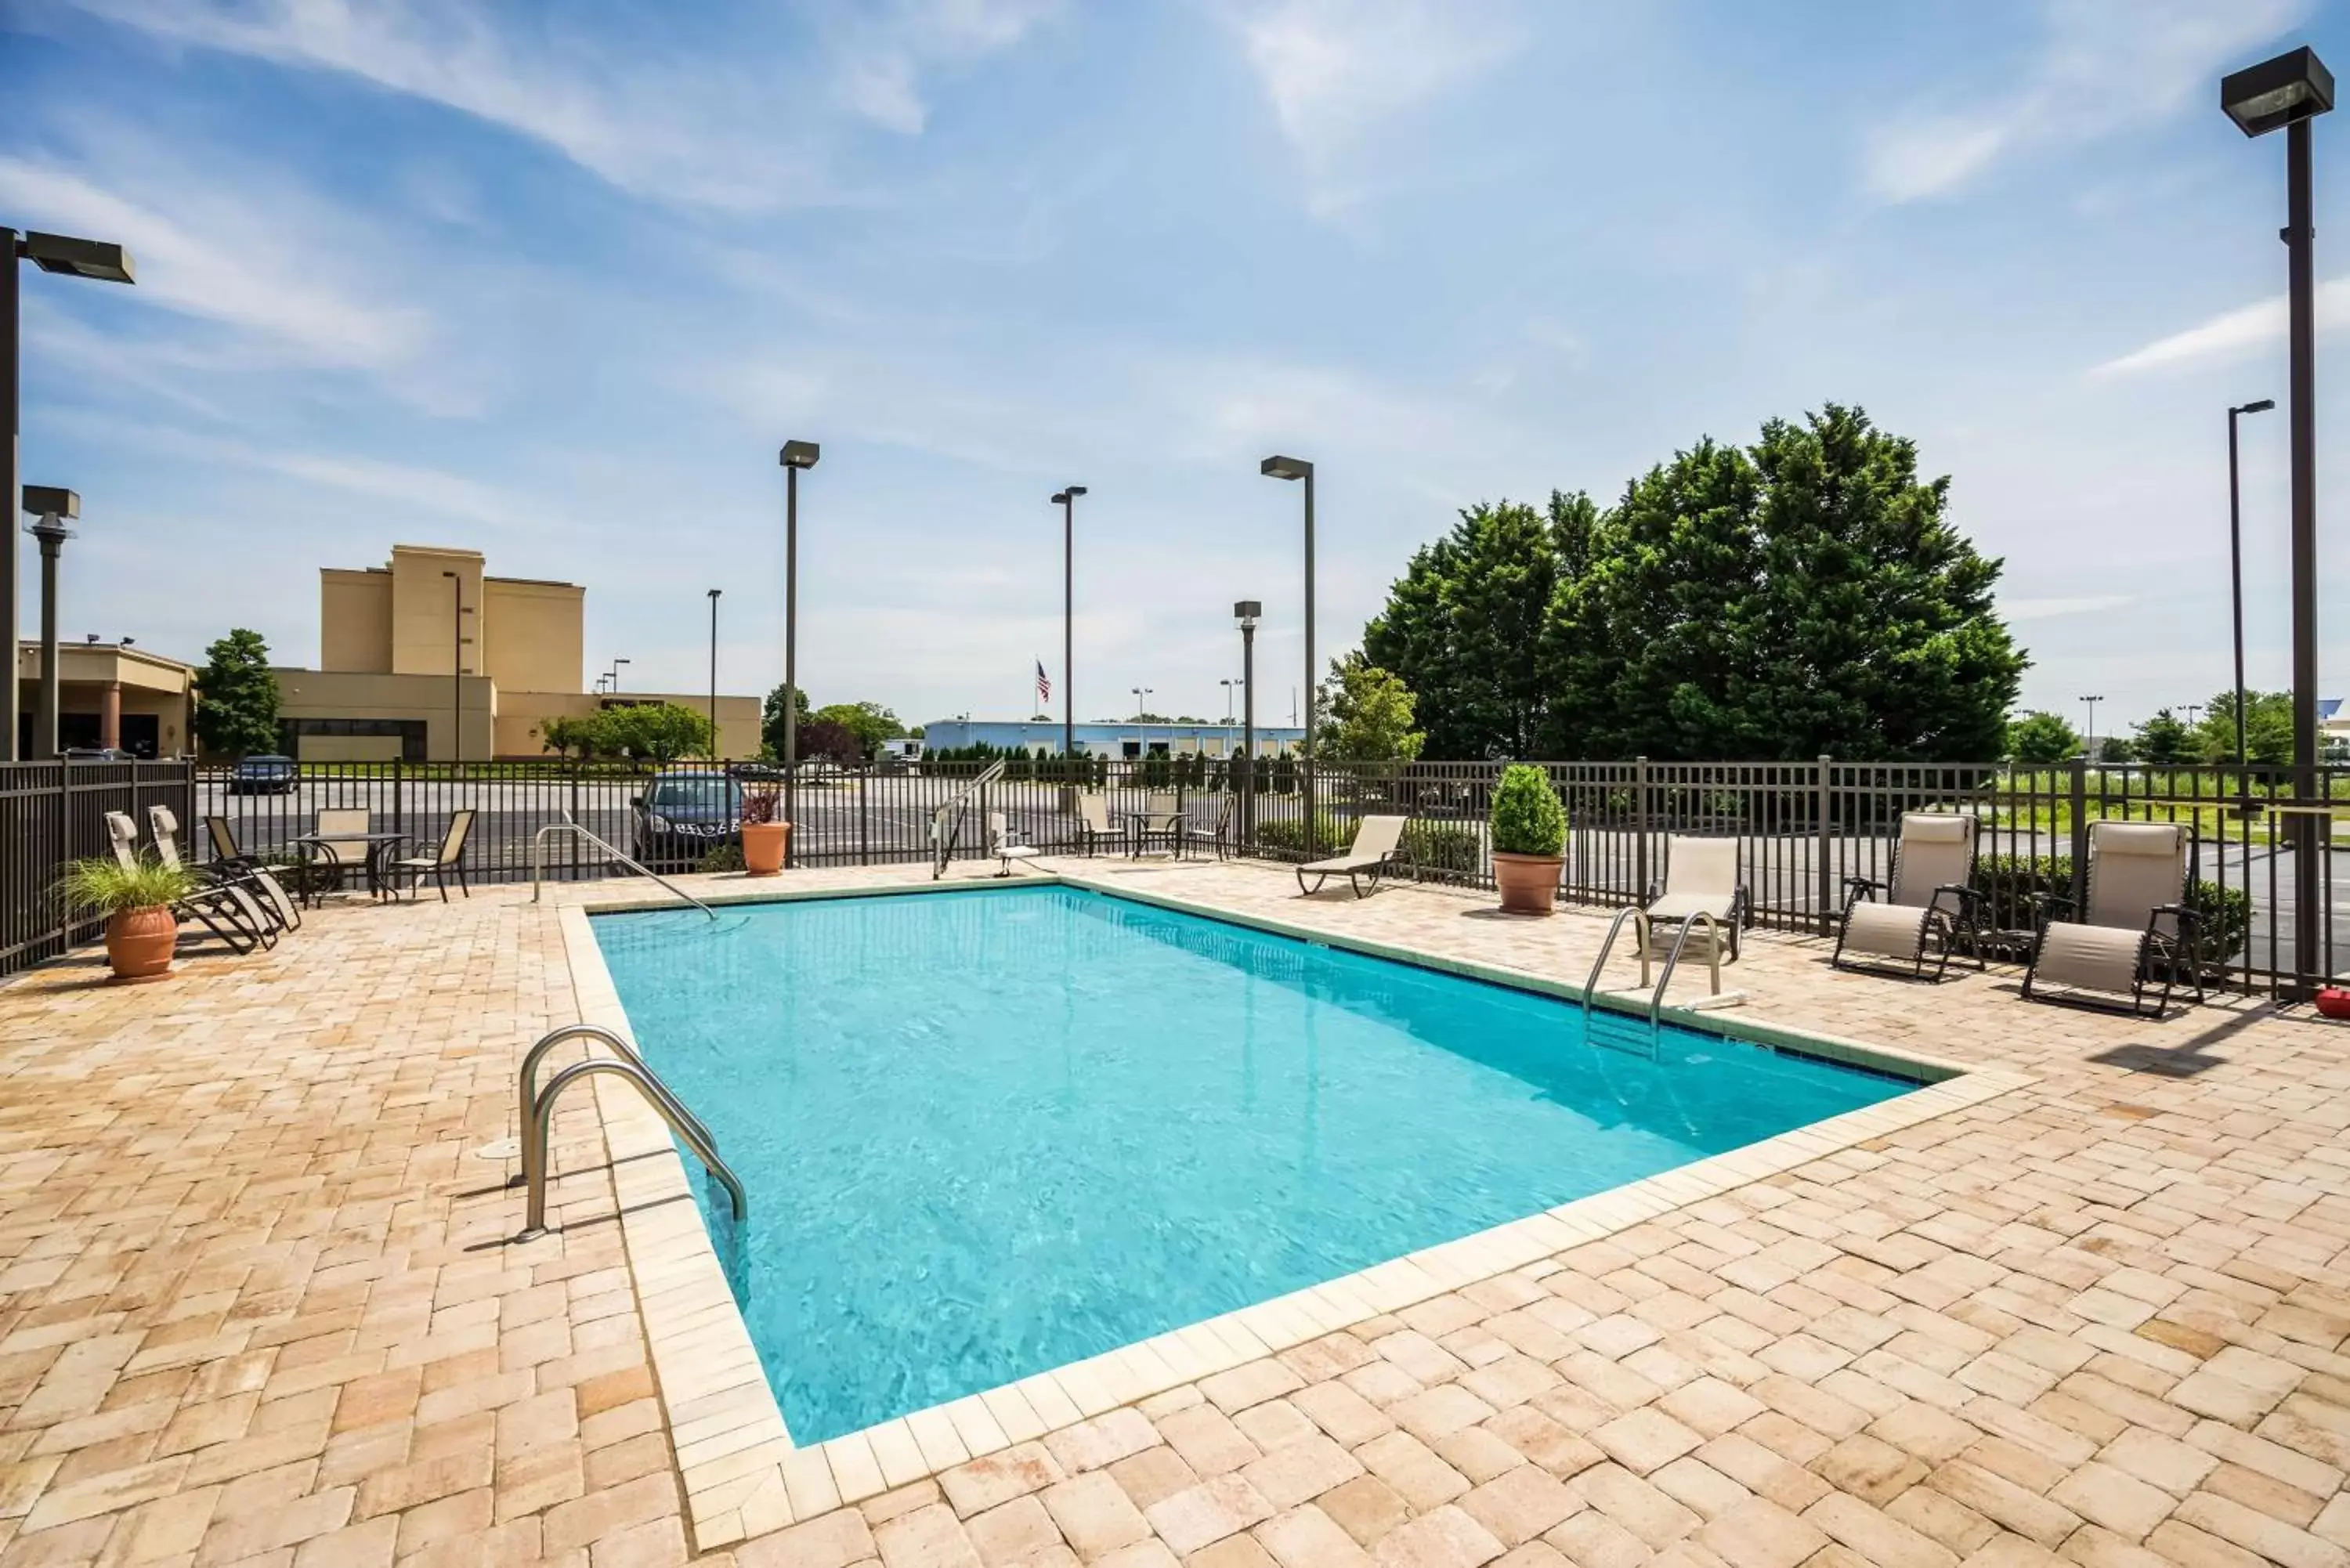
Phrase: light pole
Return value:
(2290, 91)
(457, 669)
(1278, 467)
(1246, 613)
(1067, 500)
(50, 253)
(1227, 686)
(2236, 579)
(713, 672)
(1140, 693)
(2089, 746)
(612, 676)
(795, 456)
(54, 508)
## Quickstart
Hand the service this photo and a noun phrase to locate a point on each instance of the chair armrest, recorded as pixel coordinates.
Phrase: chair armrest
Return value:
(1852, 884)
(1965, 895)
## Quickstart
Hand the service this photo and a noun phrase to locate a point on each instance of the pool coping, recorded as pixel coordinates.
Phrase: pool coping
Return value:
(740, 1470)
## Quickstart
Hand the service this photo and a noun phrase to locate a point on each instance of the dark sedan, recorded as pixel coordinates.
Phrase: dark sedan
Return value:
(682, 817)
(264, 775)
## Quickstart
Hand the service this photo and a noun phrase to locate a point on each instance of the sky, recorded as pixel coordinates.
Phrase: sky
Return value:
(556, 281)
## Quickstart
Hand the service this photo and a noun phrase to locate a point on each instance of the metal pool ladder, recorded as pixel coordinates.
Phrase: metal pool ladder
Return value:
(538, 861)
(538, 1114)
(1641, 929)
(946, 820)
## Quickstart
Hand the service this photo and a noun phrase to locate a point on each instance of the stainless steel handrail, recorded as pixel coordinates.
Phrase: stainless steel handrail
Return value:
(680, 1122)
(528, 1085)
(1640, 919)
(942, 837)
(1680, 940)
(538, 861)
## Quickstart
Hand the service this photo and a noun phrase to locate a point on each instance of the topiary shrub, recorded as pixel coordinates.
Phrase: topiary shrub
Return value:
(1527, 816)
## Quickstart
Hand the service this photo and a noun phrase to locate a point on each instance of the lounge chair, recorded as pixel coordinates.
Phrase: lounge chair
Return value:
(1007, 843)
(1377, 849)
(258, 879)
(1928, 903)
(1094, 828)
(450, 855)
(222, 908)
(1216, 832)
(1701, 877)
(2136, 920)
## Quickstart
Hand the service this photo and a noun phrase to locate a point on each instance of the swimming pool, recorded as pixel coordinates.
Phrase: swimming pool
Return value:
(990, 1132)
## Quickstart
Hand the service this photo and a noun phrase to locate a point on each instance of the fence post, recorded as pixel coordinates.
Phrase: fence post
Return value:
(2080, 888)
(1640, 830)
(399, 796)
(864, 789)
(1823, 877)
(574, 816)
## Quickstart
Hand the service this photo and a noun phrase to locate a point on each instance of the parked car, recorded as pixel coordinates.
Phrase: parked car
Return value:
(97, 754)
(265, 776)
(682, 817)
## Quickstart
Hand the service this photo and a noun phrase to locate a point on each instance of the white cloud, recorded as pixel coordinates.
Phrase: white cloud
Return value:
(202, 252)
(2106, 64)
(2014, 610)
(2232, 333)
(1334, 69)
(644, 114)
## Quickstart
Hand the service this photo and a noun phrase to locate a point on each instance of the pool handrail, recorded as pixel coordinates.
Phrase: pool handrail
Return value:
(1680, 940)
(681, 1121)
(528, 1085)
(946, 818)
(538, 861)
(1640, 919)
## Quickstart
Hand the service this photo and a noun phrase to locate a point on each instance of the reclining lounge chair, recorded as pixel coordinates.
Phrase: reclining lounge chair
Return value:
(1928, 906)
(268, 893)
(2137, 921)
(1378, 849)
(222, 908)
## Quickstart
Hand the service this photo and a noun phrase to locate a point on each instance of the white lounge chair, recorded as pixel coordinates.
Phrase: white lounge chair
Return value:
(1006, 844)
(1701, 877)
(224, 910)
(258, 879)
(1928, 902)
(1378, 849)
(2136, 919)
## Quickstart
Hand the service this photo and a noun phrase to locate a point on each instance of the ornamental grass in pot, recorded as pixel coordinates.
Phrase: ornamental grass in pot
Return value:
(764, 839)
(1529, 827)
(136, 901)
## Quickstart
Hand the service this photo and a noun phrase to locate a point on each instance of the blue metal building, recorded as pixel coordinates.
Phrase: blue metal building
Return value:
(1110, 740)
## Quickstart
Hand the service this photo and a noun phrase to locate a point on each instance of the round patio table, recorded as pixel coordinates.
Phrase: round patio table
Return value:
(377, 845)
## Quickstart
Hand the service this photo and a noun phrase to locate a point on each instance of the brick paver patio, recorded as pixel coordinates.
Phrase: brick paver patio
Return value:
(259, 1302)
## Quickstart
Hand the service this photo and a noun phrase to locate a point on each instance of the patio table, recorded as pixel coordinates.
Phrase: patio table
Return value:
(377, 844)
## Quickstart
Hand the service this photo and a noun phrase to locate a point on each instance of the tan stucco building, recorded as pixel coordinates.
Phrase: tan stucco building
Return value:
(433, 658)
(110, 694)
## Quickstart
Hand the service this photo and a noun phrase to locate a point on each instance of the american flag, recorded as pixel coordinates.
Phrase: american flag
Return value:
(1044, 683)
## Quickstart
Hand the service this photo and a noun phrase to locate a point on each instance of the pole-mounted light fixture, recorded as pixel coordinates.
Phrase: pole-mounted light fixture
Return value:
(53, 508)
(1066, 498)
(795, 455)
(2276, 93)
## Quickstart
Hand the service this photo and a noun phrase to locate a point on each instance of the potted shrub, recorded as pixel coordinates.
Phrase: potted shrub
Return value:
(1528, 839)
(136, 901)
(764, 839)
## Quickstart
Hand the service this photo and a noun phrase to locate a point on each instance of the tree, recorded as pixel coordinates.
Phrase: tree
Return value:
(662, 732)
(771, 719)
(871, 723)
(2268, 727)
(1804, 594)
(2117, 749)
(567, 733)
(2039, 738)
(1366, 715)
(827, 738)
(2163, 739)
(236, 695)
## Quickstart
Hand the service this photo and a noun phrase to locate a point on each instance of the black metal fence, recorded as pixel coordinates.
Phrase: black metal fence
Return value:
(55, 813)
(1804, 828)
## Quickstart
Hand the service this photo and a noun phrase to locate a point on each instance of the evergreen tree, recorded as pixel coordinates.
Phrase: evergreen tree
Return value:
(1366, 715)
(2039, 739)
(237, 697)
(2163, 739)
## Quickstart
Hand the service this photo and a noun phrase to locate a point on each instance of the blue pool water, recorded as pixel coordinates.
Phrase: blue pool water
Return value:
(988, 1132)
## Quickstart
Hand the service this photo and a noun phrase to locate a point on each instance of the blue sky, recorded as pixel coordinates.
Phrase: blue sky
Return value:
(556, 281)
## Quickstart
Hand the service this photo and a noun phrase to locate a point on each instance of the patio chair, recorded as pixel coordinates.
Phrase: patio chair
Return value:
(1377, 849)
(1701, 877)
(450, 855)
(1162, 824)
(1094, 828)
(2136, 919)
(329, 861)
(1928, 903)
(1217, 831)
(1007, 843)
(222, 908)
(268, 893)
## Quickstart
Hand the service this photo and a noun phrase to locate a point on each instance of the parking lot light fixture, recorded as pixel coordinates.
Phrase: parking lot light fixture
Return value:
(53, 509)
(1066, 498)
(794, 456)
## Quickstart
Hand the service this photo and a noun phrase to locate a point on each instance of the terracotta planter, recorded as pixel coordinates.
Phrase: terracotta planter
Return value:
(139, 942)
(1528, 883)
(762, 846)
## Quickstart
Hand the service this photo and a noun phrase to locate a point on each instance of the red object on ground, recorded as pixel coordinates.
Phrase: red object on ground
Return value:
(2334, 1001)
